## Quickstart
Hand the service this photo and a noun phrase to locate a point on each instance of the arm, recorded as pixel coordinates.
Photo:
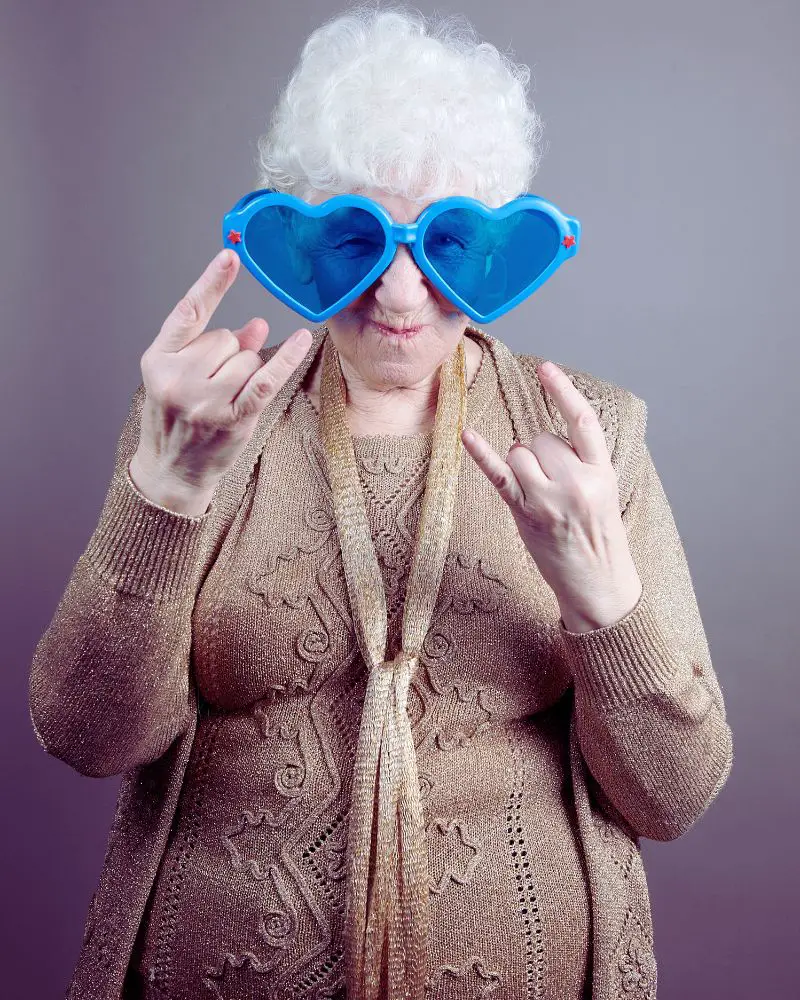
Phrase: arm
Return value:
(109, 682)
(650, 715)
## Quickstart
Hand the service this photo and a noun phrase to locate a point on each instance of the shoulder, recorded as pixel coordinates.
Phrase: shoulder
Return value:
(622, 414)
(618, 409)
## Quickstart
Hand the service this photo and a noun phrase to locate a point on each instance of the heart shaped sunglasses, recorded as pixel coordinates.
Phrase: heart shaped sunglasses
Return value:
(319, 258)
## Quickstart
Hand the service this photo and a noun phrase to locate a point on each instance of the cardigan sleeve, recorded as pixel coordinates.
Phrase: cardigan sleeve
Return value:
(109, 681)
(649, 709)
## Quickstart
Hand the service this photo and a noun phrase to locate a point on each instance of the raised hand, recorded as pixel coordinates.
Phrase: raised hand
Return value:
(564, 498)
(205, 391)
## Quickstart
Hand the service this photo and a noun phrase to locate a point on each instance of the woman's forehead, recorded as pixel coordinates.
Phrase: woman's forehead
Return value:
(400, 207)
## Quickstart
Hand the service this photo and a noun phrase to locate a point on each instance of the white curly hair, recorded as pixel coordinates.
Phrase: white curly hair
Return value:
(384, 98)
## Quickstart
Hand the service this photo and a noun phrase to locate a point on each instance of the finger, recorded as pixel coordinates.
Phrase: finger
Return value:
(248, 338)
(585, 432)
(253, 334)
(499, 473)
(191, 314)
(529, 466)
(265, 383)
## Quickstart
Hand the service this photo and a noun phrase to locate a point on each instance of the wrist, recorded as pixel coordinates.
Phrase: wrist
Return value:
(168, 491)
(588, 616)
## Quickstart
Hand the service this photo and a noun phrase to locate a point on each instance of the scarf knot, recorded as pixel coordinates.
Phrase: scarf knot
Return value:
(402, 661)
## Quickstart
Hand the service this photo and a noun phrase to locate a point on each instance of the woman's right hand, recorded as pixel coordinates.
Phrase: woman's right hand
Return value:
(205, 390)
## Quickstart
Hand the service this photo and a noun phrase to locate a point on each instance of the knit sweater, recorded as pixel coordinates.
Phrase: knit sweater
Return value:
(212, 662)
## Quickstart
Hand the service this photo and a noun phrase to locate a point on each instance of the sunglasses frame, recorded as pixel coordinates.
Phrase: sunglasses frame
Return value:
(234, 235)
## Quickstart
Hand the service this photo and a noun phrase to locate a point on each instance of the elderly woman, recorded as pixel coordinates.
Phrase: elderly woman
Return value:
(392, 711)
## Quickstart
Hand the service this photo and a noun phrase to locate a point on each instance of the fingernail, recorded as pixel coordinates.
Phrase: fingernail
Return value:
(224, 258)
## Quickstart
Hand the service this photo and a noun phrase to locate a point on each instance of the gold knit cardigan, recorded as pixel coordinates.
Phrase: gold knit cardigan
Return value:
(149, 793)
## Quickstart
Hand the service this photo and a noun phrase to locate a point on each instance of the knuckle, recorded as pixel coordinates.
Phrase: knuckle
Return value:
(188, 309)
(150, 365)
(223, 339)
(501, 479)
(229, 338)
(164, 386)
(267, 382)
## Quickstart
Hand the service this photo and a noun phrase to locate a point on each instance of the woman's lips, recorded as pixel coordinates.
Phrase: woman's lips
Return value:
(390, 331)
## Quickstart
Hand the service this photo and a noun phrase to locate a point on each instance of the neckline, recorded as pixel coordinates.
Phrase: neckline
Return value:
(476, 399)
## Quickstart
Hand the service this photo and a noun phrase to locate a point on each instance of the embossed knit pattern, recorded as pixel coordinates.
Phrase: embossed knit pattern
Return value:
(543, 755)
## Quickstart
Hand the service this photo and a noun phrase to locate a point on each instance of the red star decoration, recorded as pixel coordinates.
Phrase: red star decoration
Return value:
(234, 237)
(568, 241)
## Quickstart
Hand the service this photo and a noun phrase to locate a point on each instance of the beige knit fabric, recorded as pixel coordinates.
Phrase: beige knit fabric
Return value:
(213, 662)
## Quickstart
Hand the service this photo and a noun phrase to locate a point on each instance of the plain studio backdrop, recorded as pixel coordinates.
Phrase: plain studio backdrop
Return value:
(671, 129)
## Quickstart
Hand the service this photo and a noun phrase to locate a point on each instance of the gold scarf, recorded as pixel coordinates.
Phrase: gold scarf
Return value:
(387, 905)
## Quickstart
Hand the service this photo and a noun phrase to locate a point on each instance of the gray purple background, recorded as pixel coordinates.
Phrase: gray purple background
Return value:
(128, 129)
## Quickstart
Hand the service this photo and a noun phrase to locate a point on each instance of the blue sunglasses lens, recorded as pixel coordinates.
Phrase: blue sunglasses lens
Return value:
(316, 261)
(487, 262)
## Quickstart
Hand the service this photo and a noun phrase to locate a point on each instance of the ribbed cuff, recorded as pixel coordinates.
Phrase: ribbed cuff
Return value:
(143, 548)
(623, 662)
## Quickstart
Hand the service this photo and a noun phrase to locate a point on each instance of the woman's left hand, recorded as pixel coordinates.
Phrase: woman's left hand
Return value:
(564, 498)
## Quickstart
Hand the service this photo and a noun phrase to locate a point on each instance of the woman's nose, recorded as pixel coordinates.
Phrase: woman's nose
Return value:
(402, 287)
